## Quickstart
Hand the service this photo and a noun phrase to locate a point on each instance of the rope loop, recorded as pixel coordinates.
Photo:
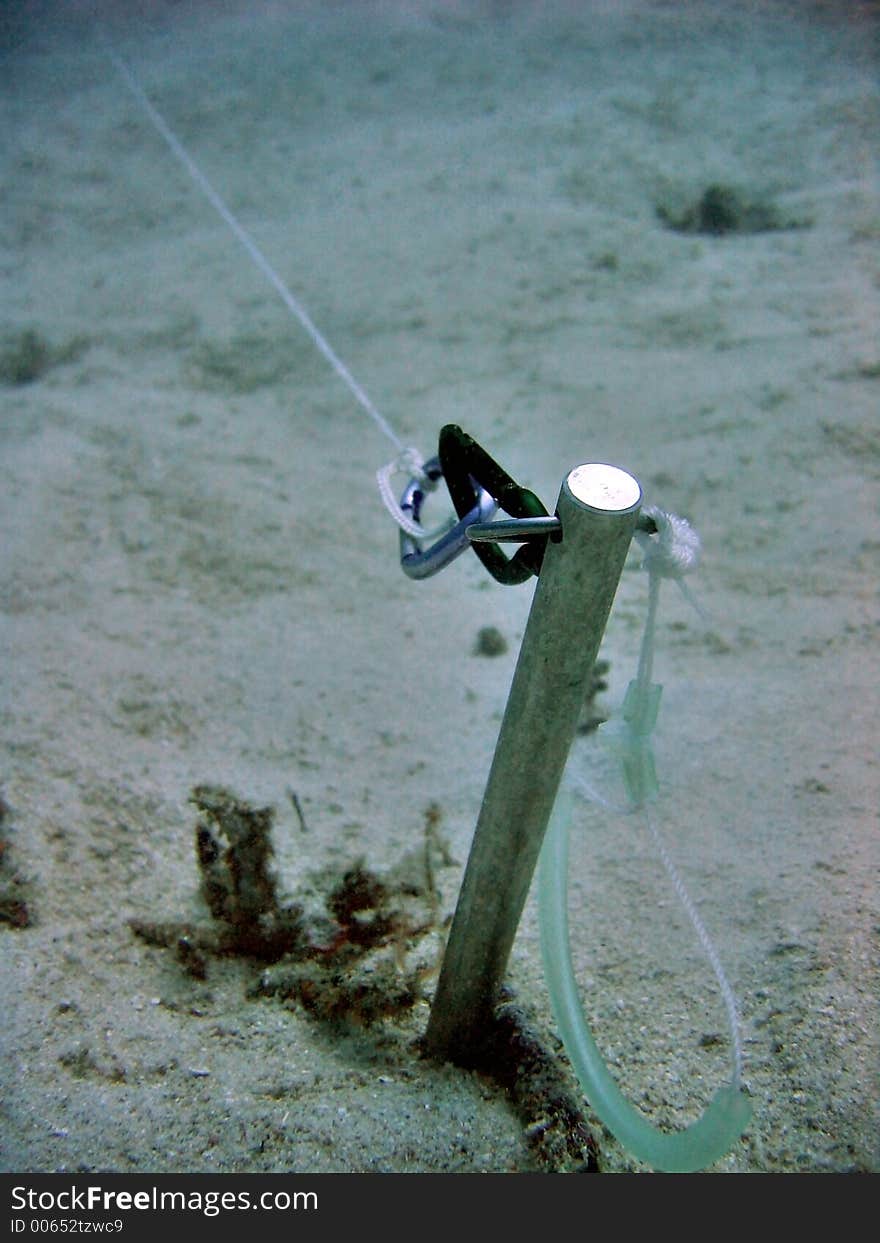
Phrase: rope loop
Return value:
(409, 462)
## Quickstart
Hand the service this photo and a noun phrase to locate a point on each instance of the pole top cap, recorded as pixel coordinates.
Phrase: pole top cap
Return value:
(604, 489)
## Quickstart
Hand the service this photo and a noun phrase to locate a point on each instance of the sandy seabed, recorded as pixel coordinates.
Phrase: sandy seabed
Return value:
(201, 587)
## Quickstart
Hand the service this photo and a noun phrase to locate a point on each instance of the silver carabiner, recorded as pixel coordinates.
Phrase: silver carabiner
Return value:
(419, 562)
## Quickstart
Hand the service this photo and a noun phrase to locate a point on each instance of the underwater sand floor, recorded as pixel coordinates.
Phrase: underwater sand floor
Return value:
(201, 588)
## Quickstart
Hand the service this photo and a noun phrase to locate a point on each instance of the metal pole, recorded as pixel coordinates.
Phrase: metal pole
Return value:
(597, 509)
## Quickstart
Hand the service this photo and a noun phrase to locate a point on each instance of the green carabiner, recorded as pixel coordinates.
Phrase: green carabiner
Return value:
(467, 467)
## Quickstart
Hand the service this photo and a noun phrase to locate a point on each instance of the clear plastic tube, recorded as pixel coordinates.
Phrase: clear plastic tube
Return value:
(727, 1114)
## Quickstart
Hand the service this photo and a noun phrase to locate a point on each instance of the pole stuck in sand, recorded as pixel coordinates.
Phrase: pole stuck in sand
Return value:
(597, 511)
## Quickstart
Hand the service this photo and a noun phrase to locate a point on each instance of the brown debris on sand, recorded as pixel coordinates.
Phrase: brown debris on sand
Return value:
(723, 209)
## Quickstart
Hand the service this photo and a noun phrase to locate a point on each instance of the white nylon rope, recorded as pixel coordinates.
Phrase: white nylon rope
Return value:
(409, 460)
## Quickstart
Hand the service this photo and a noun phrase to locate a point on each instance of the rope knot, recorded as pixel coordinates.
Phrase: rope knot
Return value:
(674, 550)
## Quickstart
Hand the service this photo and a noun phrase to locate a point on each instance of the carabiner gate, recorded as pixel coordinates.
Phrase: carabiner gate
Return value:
(419, 562)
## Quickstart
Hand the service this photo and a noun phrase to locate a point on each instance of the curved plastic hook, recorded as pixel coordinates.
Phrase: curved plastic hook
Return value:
(727, 1114)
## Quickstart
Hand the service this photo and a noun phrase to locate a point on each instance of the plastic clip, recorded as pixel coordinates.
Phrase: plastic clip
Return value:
(419, 562)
